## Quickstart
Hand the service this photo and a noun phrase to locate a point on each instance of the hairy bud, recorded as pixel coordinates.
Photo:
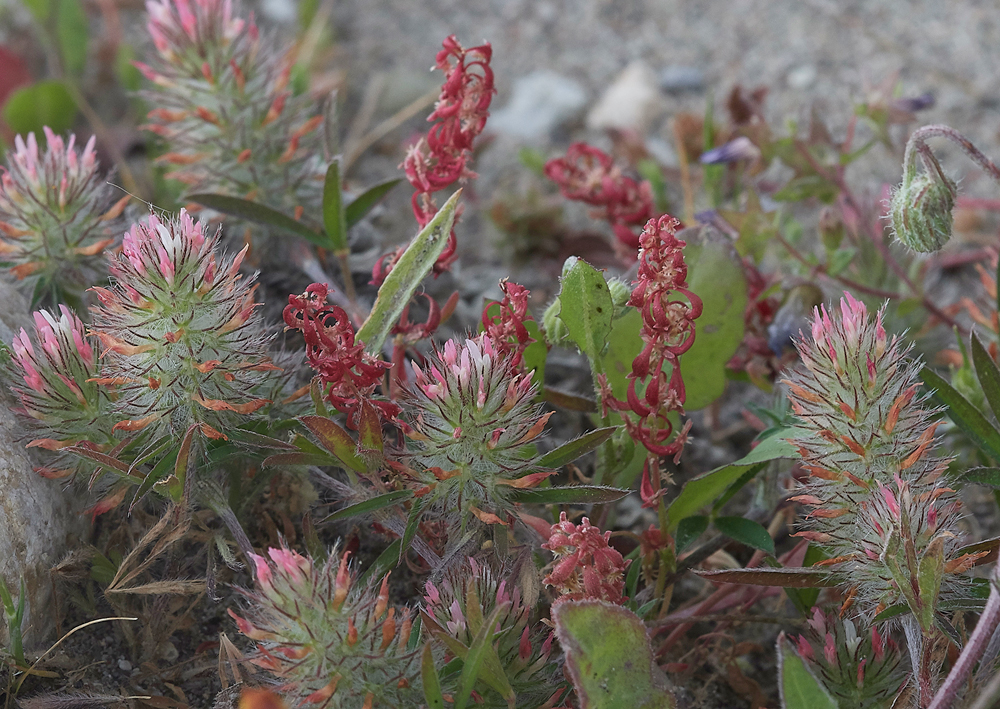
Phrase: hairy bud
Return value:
(921, 211)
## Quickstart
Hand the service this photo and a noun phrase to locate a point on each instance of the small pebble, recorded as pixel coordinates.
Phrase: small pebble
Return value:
(801, 77)
(539, 102)
(124, 665)
(677, 78)
(629, 102)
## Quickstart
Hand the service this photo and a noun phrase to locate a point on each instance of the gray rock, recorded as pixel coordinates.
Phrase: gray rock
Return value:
(539, 103)
(37, 517)
(677, 78)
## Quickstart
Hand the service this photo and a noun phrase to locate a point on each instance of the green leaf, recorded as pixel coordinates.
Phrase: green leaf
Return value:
(701, 490)
(72, 34)
(987, 373)
(378, 502)
(966, 416)
(689, 529)
(334, 215)
(839, 260)
(473, 660)
(988, 477)
(716, 276)
(798, 687)
(586, 307)
(801, 577)
(431, 681)
(406, 276)
(369, 429)
(258, 214)
(535, 354)
(746, 531)
(39, 8)
(46, 103)
(569, 495)
(412, 522)
(930, 571)
(570, 451)
(801, 188)
(624, 345)
(364, 202)
(335, 440)
(608, 657)
(385, 561)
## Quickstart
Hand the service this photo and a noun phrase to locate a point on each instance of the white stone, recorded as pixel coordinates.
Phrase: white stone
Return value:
(629, 103)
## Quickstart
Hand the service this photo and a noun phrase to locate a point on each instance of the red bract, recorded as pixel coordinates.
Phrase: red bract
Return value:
(589, 175)
(668, 331)
(506, 328)
(350, 373)
(441, 158)
(586, 566)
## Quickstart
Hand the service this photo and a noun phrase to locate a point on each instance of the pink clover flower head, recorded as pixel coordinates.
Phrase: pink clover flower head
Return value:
(168, 247)
(307, 617)
(54, 211)
(57, 365)
(586, 566)
(181, 27)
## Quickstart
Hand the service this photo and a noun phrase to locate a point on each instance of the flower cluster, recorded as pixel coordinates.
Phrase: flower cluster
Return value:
(668, 331)
(54, 217)
(183, 341)
(857, 670)
(506, 328)
(875, 491)
(349, 373)
(474, 418)
(225, 109)
(441, 158)
(589, 175)
(464, 599)
(586, 566)
(331, 643)
(58, 366)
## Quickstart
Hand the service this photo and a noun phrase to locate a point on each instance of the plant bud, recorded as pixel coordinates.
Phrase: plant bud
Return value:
(921, 211)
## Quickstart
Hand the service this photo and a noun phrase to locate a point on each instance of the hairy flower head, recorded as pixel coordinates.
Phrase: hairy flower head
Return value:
(472, 422)
(586, 566)
(183, 341)
(54, 212)
(331, 643)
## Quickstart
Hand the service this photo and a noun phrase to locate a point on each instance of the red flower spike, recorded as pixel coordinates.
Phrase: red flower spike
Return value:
(506, 328)
(586, 566)
(441, 158)
(349, 373)
(589, 175)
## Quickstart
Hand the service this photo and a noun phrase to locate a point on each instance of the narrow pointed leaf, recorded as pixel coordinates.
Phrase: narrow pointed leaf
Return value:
(385, 561)
(689, 529)
(336, 440)
(987, 373)
(571, 494)
(159, 471)
(258, 214)
(378, 502)
(474, 659)
(369, 429)
(431, 681)
(746, 531)
(364, 202)
(797, 685)
(803, 577)
(258, 440)
(412, 522)
(965, 415)
(107, 461)
(990, 545)
(406, 276)
(989, 477)
(334, 220)
(568, 452)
